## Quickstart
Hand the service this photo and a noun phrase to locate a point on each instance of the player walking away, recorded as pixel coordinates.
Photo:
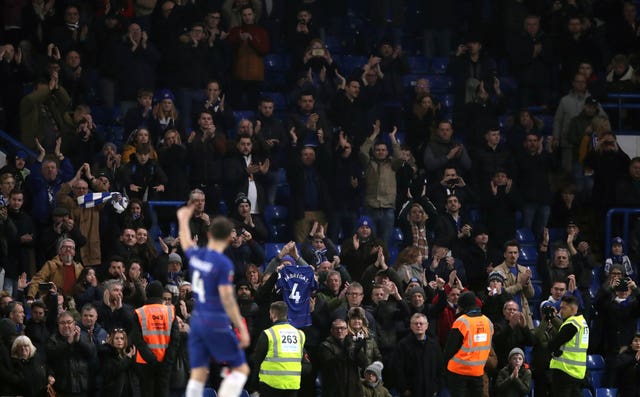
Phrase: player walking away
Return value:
(211, 333)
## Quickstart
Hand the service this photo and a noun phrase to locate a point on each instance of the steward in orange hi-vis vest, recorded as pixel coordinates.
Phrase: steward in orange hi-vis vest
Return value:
(155, 322)
(467, 348)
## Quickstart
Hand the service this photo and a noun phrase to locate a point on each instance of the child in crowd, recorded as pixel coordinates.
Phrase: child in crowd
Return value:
(618, 257)
(372, 383)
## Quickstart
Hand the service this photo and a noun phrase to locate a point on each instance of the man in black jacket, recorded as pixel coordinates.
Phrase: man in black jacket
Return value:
(418, 361)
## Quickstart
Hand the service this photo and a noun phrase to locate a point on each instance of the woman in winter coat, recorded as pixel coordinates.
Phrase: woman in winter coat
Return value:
(30, 368)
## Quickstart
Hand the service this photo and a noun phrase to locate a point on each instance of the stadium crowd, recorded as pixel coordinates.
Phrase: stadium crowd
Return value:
(407, 151)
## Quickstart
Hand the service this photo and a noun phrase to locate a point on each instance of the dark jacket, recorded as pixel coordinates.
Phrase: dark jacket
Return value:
(117, 373)
(339, 363)
(509, 387)
(69, 363)
(418, 366)
(33, 376)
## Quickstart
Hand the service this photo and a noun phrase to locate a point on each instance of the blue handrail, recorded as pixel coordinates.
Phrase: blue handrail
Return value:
(17, 144)
(626, 212)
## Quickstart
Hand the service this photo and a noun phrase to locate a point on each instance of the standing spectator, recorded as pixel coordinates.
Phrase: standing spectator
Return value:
(143, 178)
(61, 271)
(172, 157)
(358, 251)
(627, 366)
(214, 101)
(13, 74)
(444, 152)
(510, 332)
(137, 60)
(30, 366)
(417, 361)
(117, 358)
(308, 175)
(41, 113)
(250, 43)
(531, 56)
(500, 200)
(470, 65)
(628, 187)
(68, 357)
(490, 157)
(245, 172)
(138, 136)
(339, 363)
(164, 114)
(73, 33)
(569, 107)
(514, 380)
(517, 279)
(380, 175)
(140, 115)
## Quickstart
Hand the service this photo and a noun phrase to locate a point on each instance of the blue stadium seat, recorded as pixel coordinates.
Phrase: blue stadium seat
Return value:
(333, 45)
(606, 392)
(528, 255)
(396, 236)
(209, 392)
(282, 176)
(279, 100)
(271, 250)
(440, 83)
(595, 378)
(352, 62)
(439, 65)
(282, 194)
(595, 361)
(527, 354)
(555, 234)
(535, 276)
(105, 115)
(508, 84)
(474, 215)
(586, 393)
(418, 64)
(537, 290)
(222, 207)
(446, 101)
(277, 62)
(243, 114)
(524, 235)
(244, 393)
(278, 233)
(274, 80)
(536, 324)
(275, 214)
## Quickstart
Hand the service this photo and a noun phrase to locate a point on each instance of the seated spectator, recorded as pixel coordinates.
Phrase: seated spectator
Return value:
(619, 257)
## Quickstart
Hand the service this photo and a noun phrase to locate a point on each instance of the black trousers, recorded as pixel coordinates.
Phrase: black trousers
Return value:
(268, 391)
(564, 385)
(464, 385)
(154, 380)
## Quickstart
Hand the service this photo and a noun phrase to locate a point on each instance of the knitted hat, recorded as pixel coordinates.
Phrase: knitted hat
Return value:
(288, 258)
(21, 154)
(154, 289)
(467, 301)
(173, 257)
(241, 198)
(165, 94)
(617, 240)
(364, 221)
(416, 290)
(497, 276)
(376, 367)
(516, 350)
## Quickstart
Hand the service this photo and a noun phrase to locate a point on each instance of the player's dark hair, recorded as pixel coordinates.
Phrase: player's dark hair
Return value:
(279, 308)
(220, 228)
(570, 300)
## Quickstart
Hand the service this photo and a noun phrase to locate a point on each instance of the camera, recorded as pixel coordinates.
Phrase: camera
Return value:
(623, 286)
(452, 182)
(548, 312)
(44, 287)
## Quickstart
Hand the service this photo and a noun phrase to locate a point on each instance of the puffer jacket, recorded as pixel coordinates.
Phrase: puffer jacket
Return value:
(70, 363)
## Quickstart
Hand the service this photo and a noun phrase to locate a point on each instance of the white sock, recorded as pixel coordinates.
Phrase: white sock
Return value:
(194, 388)
(232, 385)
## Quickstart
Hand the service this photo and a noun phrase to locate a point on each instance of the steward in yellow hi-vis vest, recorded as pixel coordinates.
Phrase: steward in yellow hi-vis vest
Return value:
(467, 348)
(279, 353)
(569, 350)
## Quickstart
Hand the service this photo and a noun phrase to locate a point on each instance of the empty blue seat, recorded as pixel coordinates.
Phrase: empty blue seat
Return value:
(508, 84)
(418, 64)
(105, 115)
(527, 354)
(555, 234)
(275, 214)
(278, 233)
(446, 101)
(440, 83)
(606, 392)
(595, 378)
(537, 290)
(209, 392)
(272, 249)
(525, 235)
(277, 62)
(528, 255)
(595, 361)
(397, 236)
(439, 65)
(409, 80)
(352, 62)
(243, 114)
(535, 276)
(333, 45)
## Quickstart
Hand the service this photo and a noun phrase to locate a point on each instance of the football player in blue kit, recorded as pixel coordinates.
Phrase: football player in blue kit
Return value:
(215, 309)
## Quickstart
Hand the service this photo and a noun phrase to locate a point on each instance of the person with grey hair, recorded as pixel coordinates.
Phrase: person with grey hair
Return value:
(29, 367)
(57, 271)
(112, 312)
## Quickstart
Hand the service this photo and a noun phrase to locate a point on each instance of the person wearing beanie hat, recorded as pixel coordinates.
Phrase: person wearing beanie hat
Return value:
(155, 334)
(467, 348)
(244, 219)
(495, 297)
(618, 257)
(514, 380)
(372, 383)
(483, 256)
(357, 250)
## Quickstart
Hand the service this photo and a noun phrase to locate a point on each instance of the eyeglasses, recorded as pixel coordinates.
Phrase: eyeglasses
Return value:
(355, 293)
(615, 274)
(69, 322)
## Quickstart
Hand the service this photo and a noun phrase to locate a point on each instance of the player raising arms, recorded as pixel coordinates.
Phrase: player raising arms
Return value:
(211, 333)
